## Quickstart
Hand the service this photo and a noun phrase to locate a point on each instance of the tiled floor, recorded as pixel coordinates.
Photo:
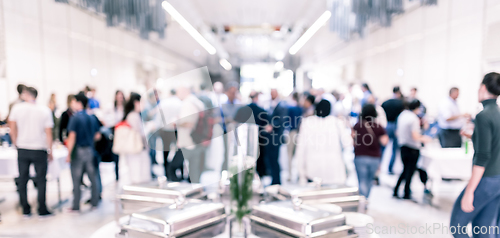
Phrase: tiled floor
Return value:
(386, 211)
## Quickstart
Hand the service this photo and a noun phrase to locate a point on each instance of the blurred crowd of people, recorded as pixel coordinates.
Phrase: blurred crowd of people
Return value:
(315, 126)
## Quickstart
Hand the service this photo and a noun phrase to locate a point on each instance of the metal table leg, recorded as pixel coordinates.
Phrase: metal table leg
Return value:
(60, 202)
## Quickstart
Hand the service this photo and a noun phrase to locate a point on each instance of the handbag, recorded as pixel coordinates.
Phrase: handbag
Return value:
(126, 140)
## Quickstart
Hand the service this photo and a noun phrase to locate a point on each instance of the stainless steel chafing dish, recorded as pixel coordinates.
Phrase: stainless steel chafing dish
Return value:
(198, 219)
(157, 194)
(347, 198)
(288, 219)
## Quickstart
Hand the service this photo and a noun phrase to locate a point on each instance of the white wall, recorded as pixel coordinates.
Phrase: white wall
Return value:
(53, 46)
(436, 46)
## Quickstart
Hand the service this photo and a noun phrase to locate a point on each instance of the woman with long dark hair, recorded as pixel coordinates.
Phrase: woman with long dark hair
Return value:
(113, 117)
(369, 137)
(119, 106)
(479, 203)
(367, 92)
(137, 166)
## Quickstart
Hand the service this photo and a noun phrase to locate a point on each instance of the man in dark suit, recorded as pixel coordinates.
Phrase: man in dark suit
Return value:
(261, 118)
(278, 111)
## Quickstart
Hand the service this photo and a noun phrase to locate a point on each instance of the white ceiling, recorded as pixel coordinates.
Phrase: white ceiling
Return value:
(250, 46)
(251, 12)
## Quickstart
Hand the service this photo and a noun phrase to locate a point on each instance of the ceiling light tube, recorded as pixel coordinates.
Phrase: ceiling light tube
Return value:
(310, 32)
(225, 64)
(188, 27)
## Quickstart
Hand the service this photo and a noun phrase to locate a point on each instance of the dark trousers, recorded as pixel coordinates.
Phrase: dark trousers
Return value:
(116, 159)
(39, 159)
(261, 163)
(83, 161)
(391, 132)
(177, 163)
(450, 138)
(152, 155)
(165, 161)
(167, 138)
(272, 163)
(486, 208)
(410, 159)
(97, 162)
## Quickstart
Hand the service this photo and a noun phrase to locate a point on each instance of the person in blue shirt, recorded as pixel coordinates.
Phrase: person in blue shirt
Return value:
(92, 102)
(278, 111)
(83, 131)
(293, 123)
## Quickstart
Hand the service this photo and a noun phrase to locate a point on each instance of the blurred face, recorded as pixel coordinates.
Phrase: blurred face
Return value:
(413, 93)
(307, 104)
(119, 98)
(454, 94)
(274, 94)
(371, 100)
(398, 94)
(483, 93)
(137, 106)
(75, 105)
(231, 93)
(255, 98)
(182, 93)
(24, 96)
(417, 111)
(218, 87)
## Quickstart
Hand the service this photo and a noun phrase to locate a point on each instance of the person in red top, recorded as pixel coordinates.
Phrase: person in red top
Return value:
(369, 137)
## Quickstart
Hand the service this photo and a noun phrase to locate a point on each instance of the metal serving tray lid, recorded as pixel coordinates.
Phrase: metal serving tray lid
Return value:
(317, 191)
(261, 230)
(162, 190)
(296, 219)
(172, 222)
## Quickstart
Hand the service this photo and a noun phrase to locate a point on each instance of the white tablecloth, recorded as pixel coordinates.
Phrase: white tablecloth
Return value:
(448, 163)
(9, 168)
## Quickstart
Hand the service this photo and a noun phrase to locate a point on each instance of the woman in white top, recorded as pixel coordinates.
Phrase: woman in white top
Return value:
(135, 168)
(319, 147)
(113, 117)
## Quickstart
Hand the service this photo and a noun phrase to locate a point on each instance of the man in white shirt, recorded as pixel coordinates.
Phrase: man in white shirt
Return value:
(169, 109)
(410, 140)
(450, 121)
(31, 130)
(188, 119)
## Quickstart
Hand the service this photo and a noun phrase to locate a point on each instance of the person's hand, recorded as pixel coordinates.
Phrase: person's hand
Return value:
(426, 125)
(68, 159)
(464, 133)
(50, 157)
(467, 202)
(269, 128)
(467, 116)
(426, 139)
